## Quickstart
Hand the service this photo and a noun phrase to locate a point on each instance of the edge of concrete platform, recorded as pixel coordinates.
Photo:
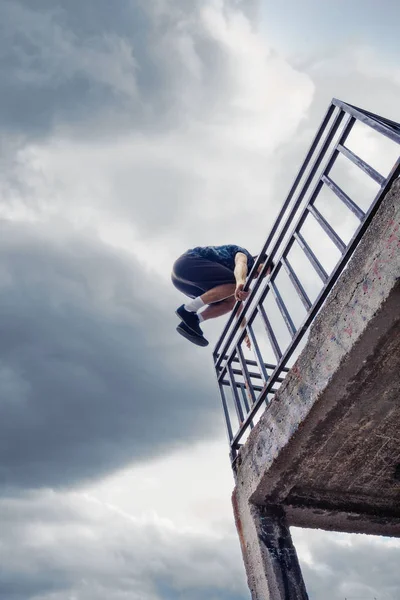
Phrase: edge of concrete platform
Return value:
(359, 294)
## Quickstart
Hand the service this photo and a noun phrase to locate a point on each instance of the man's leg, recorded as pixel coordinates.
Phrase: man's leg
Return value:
(217, 310)
(220, 292)
(195, 272)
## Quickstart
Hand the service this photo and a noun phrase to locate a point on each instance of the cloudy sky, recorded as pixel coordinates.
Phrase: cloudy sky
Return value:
(130, 131)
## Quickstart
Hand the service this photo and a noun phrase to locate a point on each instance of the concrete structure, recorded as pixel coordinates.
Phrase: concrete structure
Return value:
(326, 452)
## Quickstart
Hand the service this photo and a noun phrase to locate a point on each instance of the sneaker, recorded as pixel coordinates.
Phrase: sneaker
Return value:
(187, 333)
(190, 319)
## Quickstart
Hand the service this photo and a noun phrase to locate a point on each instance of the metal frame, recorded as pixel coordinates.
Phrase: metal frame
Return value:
(257, 387)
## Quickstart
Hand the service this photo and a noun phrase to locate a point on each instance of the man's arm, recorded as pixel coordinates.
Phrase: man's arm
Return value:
(240, 273)
(240, 276)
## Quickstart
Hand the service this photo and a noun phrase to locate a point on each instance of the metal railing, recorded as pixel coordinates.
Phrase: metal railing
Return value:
(252, 382)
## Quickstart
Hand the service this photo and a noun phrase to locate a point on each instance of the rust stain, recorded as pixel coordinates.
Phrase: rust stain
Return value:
(238, 523)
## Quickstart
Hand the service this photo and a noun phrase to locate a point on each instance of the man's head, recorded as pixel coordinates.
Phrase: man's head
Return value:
(264, 258)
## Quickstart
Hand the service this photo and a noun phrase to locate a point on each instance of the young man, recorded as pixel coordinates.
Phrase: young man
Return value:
(214, 278)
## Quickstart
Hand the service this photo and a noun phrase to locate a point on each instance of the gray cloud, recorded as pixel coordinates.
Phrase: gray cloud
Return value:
(60, 66)
(90, 375)
(356, 567)
(95, 71)
(71, 546)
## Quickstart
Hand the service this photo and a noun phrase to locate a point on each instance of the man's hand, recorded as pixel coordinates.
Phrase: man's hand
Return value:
(240, 295)
(247, 342)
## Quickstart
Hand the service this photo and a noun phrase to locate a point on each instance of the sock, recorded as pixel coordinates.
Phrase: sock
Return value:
(194, 305)
(201, 318)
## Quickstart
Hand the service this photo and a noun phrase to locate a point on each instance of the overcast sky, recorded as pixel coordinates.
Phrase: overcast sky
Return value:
(130, 131)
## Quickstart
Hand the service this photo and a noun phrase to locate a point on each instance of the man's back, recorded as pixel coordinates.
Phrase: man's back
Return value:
(224, 255)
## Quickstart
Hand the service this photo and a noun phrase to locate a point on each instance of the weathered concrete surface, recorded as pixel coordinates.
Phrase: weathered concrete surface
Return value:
(272, 566)
(327, 450)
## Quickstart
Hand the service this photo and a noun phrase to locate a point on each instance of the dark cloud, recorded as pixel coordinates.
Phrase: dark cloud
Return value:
(51, 63)
(91, 373)
(98, 71)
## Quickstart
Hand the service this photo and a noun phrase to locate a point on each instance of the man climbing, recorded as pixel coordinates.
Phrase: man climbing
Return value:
(214, 278)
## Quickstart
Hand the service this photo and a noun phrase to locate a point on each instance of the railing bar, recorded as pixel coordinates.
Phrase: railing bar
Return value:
(271, 334)
(389, 122)
(317, 161)
(344, 134)
(297, 284)
(370, 119)
(263, 395)
(260, 363)
(244, 396)
(252, 374)
(395, 172)
(222, 373)
(246, 402)
(361, 164)
(255, 375)
(248, 383)
(256, 388)
(283, 310)
(331, 161)
(360, 214)
(327, 228)
(311, 257)
(335, 274)
(252, 363)
(226, 413)
(238, 406)
(263, 295)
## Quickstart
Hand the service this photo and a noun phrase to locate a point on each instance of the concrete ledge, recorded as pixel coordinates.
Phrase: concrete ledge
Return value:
(326, 451)
(335, 391)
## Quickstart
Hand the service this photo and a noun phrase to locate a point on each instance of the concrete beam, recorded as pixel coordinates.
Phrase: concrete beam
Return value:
(272, 566)
(330, 518)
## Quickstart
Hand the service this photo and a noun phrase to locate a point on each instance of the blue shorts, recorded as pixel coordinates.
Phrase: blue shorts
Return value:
(194, 275)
